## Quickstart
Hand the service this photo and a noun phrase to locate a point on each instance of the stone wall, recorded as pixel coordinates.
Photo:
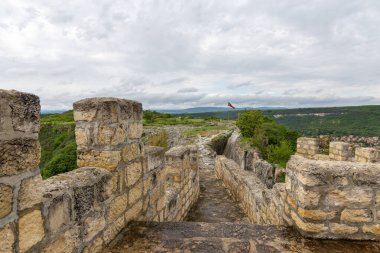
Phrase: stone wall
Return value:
(334, 199)
(249, 159)
(84, 210)
(262, 205)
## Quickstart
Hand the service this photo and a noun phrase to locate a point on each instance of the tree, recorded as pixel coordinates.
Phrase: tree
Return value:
(249, 121)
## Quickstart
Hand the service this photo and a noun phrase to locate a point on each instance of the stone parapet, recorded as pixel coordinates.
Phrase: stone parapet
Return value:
(85, 209)
(262, 205)
(307, 147)
(366, 155)
(333, 199)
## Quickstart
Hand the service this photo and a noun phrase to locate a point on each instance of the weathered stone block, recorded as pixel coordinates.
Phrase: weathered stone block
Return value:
(30, 192)
(19, 155)
(117, 207)
(355, 197)
(131, 152)
(366, 155)
(342, 229)
(113, 230)
(134, 173)
(19, 113)
(134, 212)
(7, 239)
(93, 225)
(103, 159)
(66, 243)
(31, 230)
(95, 247)
(84, 198)
(309, 180)
(372, 229)
(135, 192)
(135, 130)
(59, 214)
(111, 135)
(82, 136)
(307, 198)
(306, 226)
(339, 151)
(6, 200)
(316, 214)
(356, 215)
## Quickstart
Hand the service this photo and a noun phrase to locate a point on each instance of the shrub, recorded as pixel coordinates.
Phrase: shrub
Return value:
(248, 122)
(280, 154)
(160, 139)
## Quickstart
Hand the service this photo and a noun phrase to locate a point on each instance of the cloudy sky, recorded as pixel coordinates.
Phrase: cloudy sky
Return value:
(184, 53)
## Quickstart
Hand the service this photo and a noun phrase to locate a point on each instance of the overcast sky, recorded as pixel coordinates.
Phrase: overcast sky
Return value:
(184, 53)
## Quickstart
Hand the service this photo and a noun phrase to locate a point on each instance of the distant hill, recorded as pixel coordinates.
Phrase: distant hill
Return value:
(211, 109)
(350, 120)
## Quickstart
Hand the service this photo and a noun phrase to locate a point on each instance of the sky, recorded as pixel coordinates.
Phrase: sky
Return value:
(189, 53)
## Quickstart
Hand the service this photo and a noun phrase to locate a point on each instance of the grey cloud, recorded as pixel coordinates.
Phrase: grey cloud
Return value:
(187, 90)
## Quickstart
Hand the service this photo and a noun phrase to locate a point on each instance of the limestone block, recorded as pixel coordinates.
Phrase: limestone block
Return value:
(316, 214)
(66, 243)
(135, 130)
(103, 159)
(131, 152)
(30, 192)
(117, 207)
(339, 151)
(366, 155)
(88, 115)
(7, 239)
(372, 229)
(19, 113)
(134, 212)
(93, 225)
(309, 180)
(31, 230)
(307, 198)
(59, 214)
(356, 215)
(6, 200)
(135, 192)
(19, 155)
(111, 135)
(306, 226)
(82, 136)
(113, 230)
(342, 229)
(95, 247)
(355, 197)
(133, 173)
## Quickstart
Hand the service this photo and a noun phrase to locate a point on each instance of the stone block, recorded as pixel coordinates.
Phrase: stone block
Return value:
(113, 230)
(342, 229)
(356, 215)
(103, 159)
(366, 155)
(59, 214)
(135, 192)
(7, 239)
(6, 200)
(372, 229)
(316, 214)
(19, 114)
(307, 198)
(111, 134)
(131, 152)
(84, 198)
(355, 197)
(66, 243)
(134, 212)
(339, 151)
(309, 180)
(93, 225)
(82, 136)
(308, 226)
(135, 130)
(30, 192)
(133, 173)
(19, 155)
(117, 207)
(31, 230)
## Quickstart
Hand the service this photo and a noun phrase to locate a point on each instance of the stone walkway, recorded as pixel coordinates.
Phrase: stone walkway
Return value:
(214, 203)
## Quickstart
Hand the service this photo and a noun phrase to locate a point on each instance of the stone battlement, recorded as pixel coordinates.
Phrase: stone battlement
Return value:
(119, 180)
(338, 151)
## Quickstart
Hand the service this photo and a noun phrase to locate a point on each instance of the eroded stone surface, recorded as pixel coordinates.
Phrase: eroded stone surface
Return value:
(7, 239)
(31, 230)
(6, 200)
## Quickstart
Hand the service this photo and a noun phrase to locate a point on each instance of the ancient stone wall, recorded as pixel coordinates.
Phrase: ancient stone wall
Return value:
(334, 199)
(262, 205)
(85, 209)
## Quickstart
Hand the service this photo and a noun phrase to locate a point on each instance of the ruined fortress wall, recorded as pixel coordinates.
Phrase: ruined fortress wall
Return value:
(262, 205)
(84, 210)
(334, 199)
